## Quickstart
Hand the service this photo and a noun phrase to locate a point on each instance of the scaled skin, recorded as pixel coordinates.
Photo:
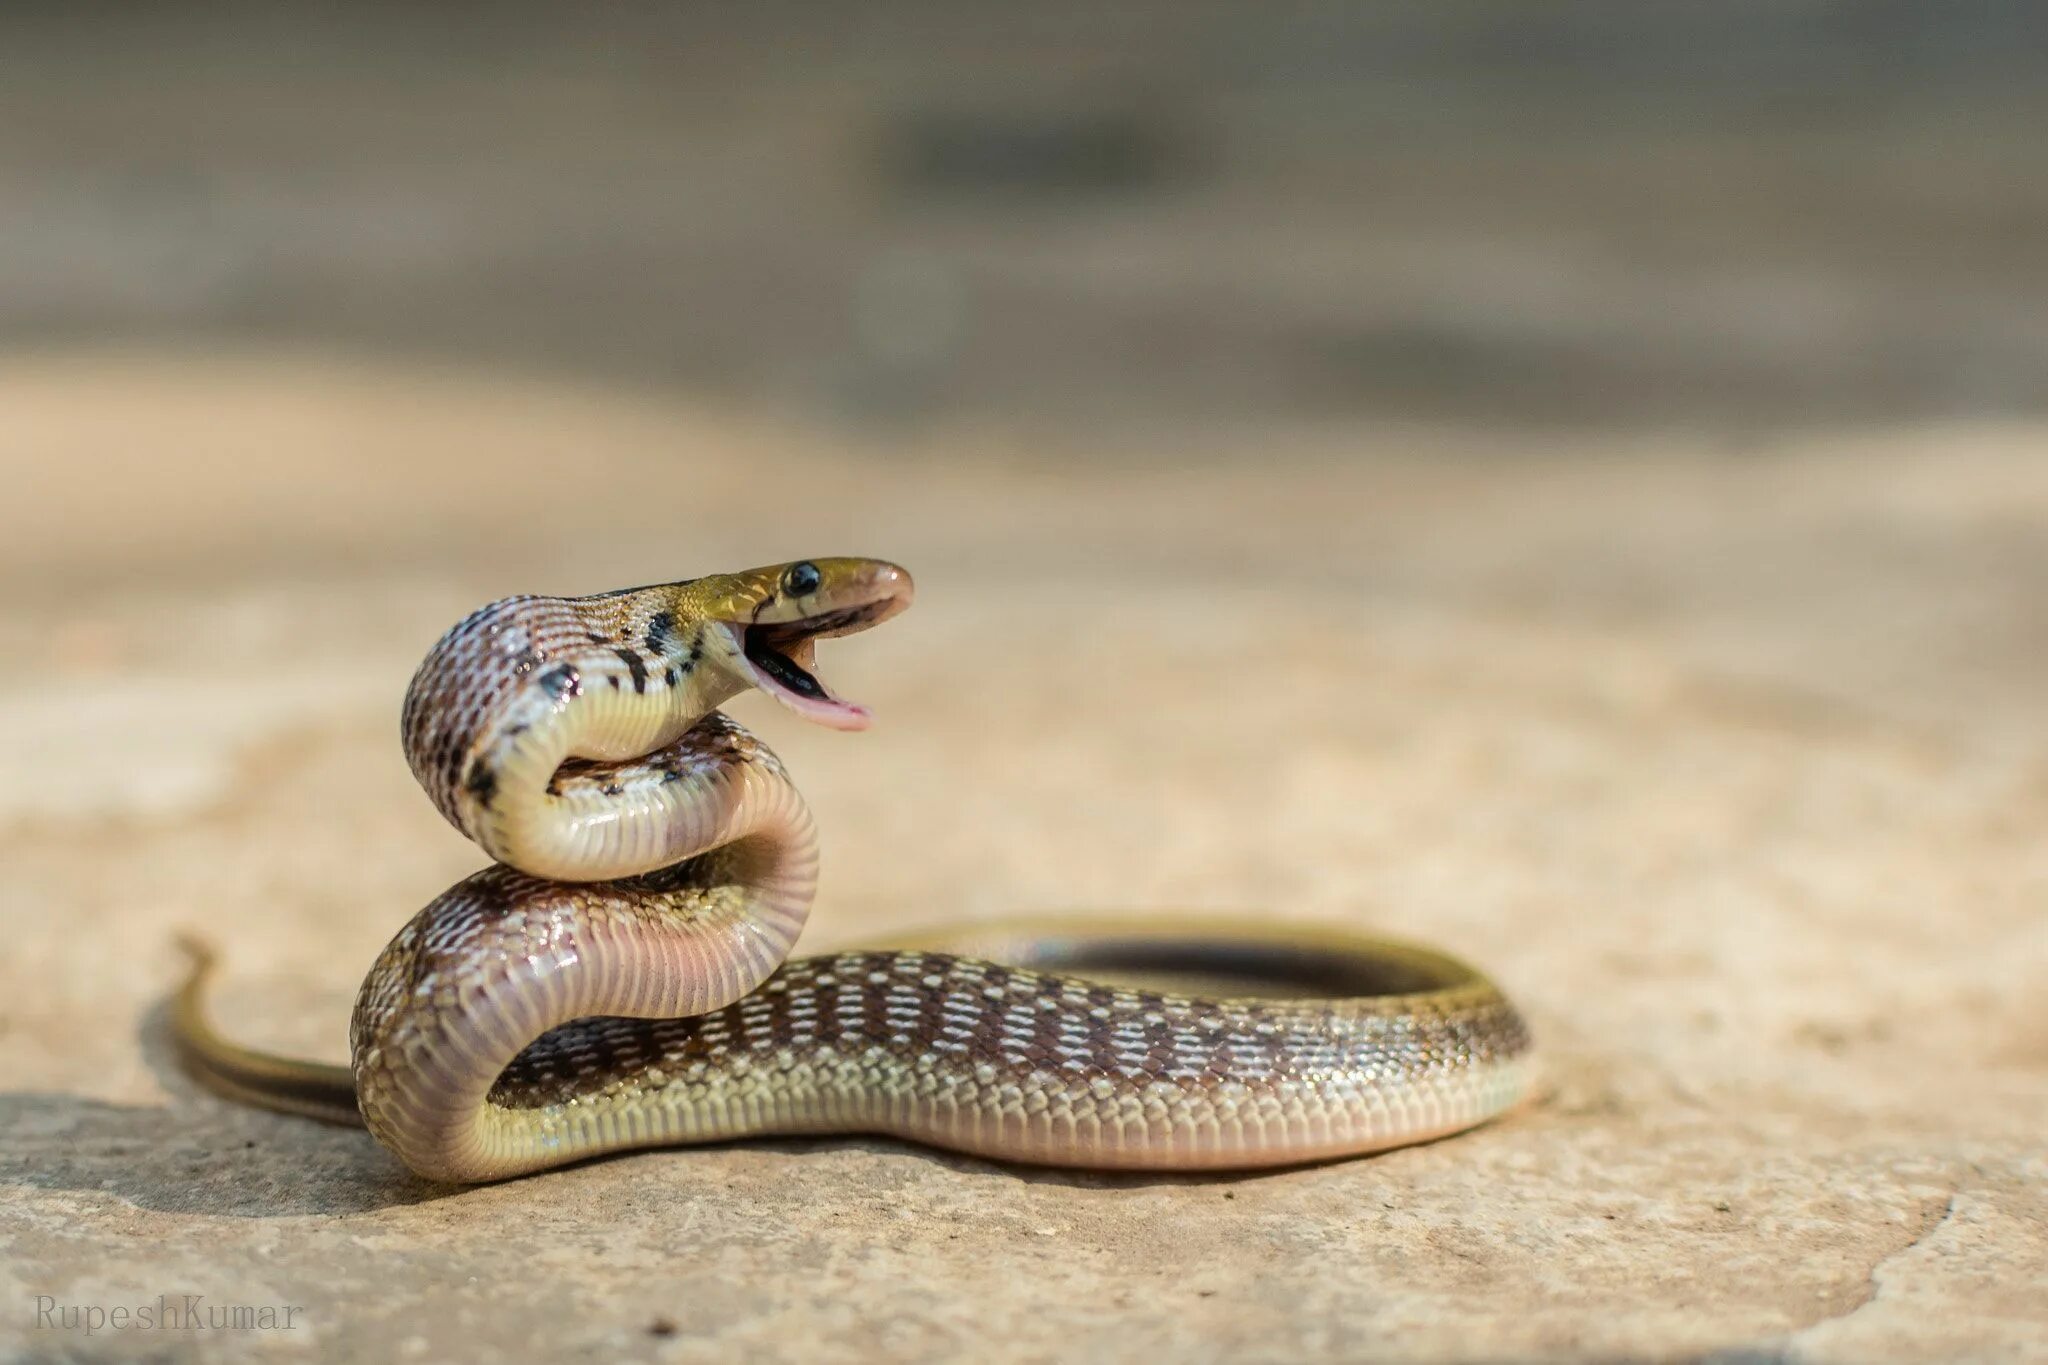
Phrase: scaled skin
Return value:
(618, 980)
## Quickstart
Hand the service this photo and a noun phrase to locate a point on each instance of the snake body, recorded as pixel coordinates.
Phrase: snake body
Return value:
(617, 979)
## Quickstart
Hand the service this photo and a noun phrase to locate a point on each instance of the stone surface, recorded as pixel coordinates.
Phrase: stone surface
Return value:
(1732, 767)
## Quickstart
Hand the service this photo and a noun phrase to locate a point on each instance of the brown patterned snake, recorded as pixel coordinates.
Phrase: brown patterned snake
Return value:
(618, 979)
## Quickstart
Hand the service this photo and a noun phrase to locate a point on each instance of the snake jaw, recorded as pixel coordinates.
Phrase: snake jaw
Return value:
(782, 668)
(778, 656)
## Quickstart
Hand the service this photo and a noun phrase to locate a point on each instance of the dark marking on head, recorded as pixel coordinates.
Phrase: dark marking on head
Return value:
(561, 682)
(613, 789)
(668, 676)
(635, 665)
(596, 638)
(525, 664)
(482, 782)
(660, 632)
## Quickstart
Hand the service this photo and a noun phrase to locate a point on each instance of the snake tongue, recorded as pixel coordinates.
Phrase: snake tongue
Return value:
(780, 669)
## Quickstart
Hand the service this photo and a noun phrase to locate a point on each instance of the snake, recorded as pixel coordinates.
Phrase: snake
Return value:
(620, 976)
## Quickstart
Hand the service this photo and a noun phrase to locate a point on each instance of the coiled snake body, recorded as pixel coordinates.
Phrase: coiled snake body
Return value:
(617, 979)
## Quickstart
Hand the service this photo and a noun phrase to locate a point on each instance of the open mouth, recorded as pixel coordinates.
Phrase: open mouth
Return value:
(781, 657)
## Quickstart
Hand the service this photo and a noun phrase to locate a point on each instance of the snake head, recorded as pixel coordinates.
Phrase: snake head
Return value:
(773, 617)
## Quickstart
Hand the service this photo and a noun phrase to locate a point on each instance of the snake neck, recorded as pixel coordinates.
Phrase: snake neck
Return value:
(541, 726)
(503, 958)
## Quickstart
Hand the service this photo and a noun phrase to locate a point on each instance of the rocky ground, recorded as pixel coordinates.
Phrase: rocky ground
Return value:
(1732, 767)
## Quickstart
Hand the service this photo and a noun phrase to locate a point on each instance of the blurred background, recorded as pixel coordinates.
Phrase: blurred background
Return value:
(1583, 212)
(1558, 479)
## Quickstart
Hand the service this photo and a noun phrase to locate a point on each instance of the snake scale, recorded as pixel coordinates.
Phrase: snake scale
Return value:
(617, 979)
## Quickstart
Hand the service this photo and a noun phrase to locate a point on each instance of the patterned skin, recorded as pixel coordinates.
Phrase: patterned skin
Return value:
(617, 979)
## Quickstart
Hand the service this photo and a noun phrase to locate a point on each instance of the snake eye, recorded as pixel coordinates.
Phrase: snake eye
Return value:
(801, 580)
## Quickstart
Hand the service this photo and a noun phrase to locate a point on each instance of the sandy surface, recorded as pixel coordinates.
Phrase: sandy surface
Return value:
(1732, 767)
